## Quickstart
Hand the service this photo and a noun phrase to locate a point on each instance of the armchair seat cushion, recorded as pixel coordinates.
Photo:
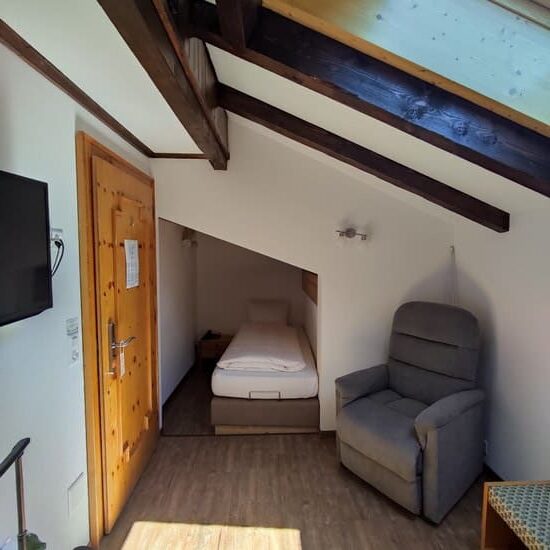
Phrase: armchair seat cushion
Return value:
(383, 434)
(409, 407)
(403, 405)
(384, 397)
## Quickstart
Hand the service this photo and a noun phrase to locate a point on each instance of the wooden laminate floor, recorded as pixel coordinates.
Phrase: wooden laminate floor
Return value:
(284, 492)
(187, 411)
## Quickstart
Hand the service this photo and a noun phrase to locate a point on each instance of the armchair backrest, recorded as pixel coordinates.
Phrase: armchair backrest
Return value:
(434, 351)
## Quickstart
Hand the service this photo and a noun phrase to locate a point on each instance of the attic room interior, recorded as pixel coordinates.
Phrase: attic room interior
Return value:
(274, 274)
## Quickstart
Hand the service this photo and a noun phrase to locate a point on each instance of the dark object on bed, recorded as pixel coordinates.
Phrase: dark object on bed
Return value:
(231, 415)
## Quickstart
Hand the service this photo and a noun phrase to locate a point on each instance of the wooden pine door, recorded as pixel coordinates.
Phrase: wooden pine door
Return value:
(126, 319)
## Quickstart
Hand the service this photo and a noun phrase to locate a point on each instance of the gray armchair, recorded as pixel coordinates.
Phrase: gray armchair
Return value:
(413, 428)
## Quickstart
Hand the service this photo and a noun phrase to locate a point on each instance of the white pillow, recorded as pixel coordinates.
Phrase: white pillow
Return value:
(268, 311)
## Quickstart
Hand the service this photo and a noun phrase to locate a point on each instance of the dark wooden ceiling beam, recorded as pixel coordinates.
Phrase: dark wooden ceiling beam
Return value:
(197, 65)
(147, 35)
(237, 19)
(363, 159)
(371, 87)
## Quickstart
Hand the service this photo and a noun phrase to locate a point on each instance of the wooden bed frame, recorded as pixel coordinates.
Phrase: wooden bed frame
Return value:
(230, 415)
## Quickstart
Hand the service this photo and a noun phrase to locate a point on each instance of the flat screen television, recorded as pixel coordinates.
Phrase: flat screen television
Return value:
(25, 264)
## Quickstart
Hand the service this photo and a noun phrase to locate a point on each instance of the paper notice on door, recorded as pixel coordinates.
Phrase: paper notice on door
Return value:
(131, 250)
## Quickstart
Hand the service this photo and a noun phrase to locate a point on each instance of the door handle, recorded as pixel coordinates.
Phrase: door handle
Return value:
(114, 345)
(123, 343)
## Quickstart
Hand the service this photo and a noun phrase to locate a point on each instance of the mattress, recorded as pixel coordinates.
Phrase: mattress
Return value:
(244, 384)
(264, 347)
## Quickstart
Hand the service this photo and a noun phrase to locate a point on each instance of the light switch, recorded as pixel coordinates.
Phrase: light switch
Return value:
(73, 338)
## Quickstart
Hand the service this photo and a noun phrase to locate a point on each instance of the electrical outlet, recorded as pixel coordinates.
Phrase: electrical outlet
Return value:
(485, 448)
(56, 233)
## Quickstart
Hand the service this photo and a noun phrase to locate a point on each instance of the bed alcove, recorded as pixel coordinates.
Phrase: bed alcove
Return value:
(205, 287)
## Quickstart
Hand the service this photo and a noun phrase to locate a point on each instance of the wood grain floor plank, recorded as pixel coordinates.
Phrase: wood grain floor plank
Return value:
(199, 492)
(187, 410)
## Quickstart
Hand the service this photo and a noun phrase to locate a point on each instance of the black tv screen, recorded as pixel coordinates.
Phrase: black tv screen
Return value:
(25, 270)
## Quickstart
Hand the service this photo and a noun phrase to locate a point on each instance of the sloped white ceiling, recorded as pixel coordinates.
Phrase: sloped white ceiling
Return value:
(371, 133)
(80, 40)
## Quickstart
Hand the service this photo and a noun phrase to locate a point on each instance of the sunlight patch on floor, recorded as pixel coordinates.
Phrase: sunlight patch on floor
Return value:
(151, 535)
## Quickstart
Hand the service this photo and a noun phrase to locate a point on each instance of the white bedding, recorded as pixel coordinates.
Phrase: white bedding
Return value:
(246, 384)
(261, 347)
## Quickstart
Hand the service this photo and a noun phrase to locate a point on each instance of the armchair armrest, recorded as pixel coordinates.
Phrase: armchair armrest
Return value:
(444, 411)
(360, 383)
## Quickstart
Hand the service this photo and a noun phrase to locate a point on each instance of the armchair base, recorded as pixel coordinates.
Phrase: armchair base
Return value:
(407, 494)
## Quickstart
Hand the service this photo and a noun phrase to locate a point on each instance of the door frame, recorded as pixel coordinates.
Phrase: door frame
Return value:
(87, 148)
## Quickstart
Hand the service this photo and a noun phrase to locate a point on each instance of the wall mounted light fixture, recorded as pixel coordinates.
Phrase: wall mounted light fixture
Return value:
(351, 233)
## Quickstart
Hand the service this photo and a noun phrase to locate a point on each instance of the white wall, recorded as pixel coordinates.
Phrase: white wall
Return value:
(177, 306)
(41, 396)
(106, 68)
(228, 276)
(310, 322)
(505, 281)
(282, 199)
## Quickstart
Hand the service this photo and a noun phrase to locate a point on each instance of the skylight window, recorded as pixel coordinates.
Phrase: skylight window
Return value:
(489, 52)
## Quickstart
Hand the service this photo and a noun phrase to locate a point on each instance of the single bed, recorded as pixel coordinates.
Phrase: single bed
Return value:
(269, 384)
(266, 382)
